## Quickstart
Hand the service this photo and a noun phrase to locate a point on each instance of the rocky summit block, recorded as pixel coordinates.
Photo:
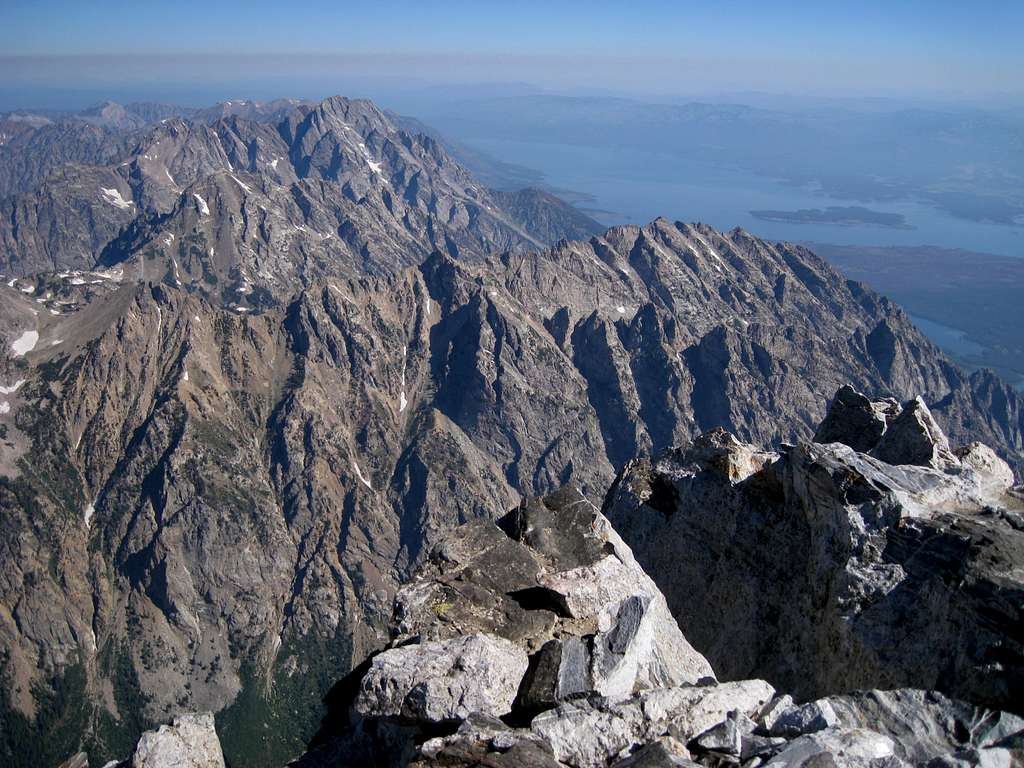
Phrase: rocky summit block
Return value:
(188, 742)
(557, 580)
(881, 558)
(443, 680)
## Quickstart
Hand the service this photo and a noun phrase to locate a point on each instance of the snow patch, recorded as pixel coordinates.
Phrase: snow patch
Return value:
(362, 479)
(184, 376)
(25, 343)
(428, 306)
(55, 342)
(203, 207)
(113, 196)
(170, 178)
(5, 407)
(402, 402)
(240, 183)
(620, 309)
(13, 388)
(89, 512)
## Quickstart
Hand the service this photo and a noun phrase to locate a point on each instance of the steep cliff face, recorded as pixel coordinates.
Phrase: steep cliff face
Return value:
(826, 569)
(216, 505)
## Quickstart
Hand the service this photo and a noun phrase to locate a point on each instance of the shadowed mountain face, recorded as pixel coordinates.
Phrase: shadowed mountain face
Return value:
(216, 506)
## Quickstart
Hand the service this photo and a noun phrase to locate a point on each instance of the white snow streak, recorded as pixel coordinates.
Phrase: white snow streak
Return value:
(113, 197)
(13, 388)
(240, 183)
(620, 309)
(203, 207)
(362, 479)
(402, 402)
(5, 407)
(711, 250)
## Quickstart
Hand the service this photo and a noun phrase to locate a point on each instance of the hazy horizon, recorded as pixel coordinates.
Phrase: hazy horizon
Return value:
(60, 54)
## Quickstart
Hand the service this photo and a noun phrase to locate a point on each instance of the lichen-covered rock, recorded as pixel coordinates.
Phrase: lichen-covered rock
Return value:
(443, 680)
(188, 742)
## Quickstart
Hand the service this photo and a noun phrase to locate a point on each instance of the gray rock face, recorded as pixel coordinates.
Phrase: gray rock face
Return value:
(804, 719)
(558, 581)
(829, 570)
(445, 680)
(188, 742)
(913, 437)
(584, 734)
(856, 420)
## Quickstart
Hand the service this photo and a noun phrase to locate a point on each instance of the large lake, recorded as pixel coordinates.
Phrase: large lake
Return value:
(627, 185)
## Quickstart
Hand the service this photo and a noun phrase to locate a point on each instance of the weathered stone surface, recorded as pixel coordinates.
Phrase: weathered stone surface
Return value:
(803, 719)
(591, 732)
(854, 748)
(925, 725)
(557, 580)
(985, 462)
(188, 742)
(665, 752)
(913, 437)
(832, 570)
(485, 741)
(856, 420)
(443, 680)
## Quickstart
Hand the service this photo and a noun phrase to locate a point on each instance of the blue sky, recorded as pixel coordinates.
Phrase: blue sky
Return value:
(644, 45)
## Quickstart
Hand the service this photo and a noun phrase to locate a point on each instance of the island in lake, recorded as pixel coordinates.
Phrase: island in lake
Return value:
(852, 215)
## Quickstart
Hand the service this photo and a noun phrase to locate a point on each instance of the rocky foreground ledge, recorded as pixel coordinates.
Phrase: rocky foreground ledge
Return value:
(878, 554)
